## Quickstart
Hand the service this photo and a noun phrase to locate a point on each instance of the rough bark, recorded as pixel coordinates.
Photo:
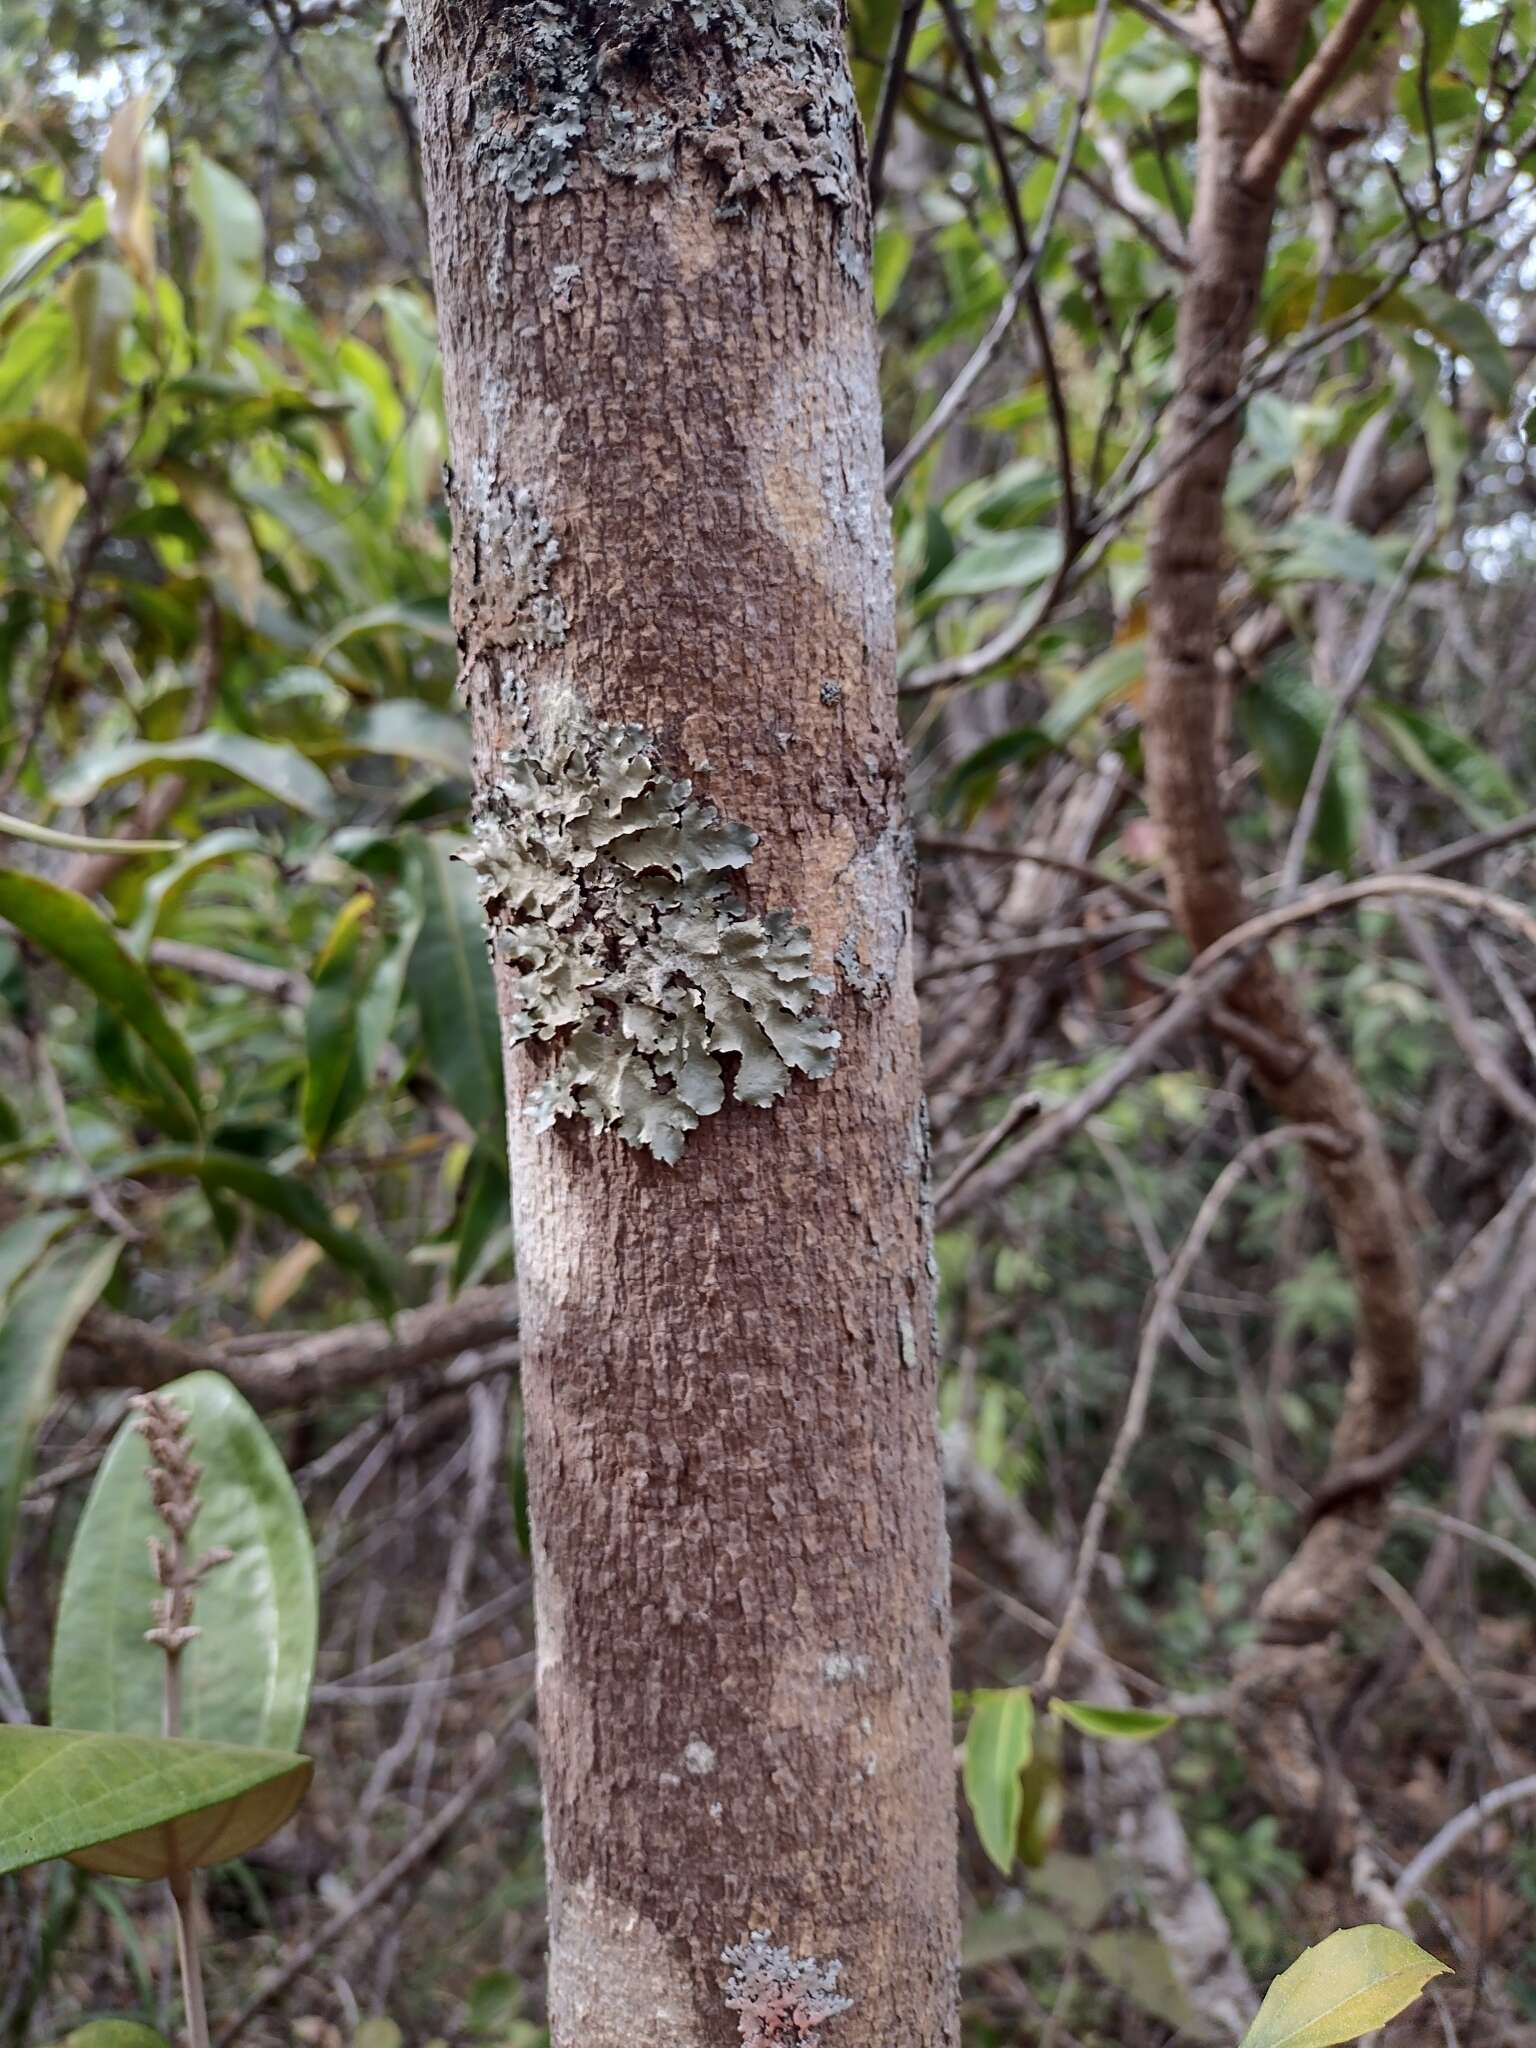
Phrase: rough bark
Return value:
(1299, 1071)
(649, 237)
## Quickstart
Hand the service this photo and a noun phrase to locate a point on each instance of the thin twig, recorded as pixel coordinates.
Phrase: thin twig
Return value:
(418, 1850)
(890, 97)
(1272, 152)
(1160, 1316)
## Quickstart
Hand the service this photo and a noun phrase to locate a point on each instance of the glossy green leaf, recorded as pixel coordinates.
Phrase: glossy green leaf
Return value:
(165, 889)
(1440, 20)
(36, 1324)
(412, 731)
(231, 1173)
(1113, 1724)
(246, 1677)
(1351, 1983)
(81, 939)
(278, 772)
(1105, 680)
(999, 1743)
(1447, 762)
(138, 1805)
(1012, 560)
(229, 264)
(449, 979)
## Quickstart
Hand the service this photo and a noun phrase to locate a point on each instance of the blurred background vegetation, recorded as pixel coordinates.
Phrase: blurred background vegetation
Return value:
(256, 1068)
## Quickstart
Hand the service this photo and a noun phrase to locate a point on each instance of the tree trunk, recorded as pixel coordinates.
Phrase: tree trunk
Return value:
(650, 239)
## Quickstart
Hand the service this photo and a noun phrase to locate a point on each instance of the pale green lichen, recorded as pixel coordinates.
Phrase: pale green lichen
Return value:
(605, 881)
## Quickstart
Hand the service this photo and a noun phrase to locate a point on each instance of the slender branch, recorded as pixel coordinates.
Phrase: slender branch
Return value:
(1021, 289)
(1439, 1846)
(1270, 154)
(1160, 1317)
(416, 1852)
(1028, 254)
(946, 842)
(890, 97)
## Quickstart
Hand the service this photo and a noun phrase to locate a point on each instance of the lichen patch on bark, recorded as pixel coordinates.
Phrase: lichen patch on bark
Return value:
(604, 880)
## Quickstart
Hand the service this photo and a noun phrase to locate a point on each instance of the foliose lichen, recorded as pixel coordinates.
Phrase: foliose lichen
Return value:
(607, 885)
(781, 2001)
(759, 87)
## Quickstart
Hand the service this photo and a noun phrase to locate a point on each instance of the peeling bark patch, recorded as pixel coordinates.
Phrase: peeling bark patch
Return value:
(756, 88)
(604, 881)
(780, 2001)
(698, 1758)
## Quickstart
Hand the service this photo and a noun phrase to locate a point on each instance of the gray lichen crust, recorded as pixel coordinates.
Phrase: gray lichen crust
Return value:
(759, 87)
(780, 2000)
(605, 882)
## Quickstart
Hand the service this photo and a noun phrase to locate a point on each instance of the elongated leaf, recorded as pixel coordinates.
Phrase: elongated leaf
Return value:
(334, 1081)
(1447, 762)
(1104, 681)
(231, 1173)
(80, 938)
(1004, 561)
(55, 447)
(246, 1676)
(999, 1743)
(23, 1243)
(1348, 1985)
(1113, 1724)
(36, 1324)
(229, 260)
(164, 890)
(279, 772)
(411, 731)
(430, 621)
(138, 1806)
(973, 784)
(449, 979)
(1284, 718)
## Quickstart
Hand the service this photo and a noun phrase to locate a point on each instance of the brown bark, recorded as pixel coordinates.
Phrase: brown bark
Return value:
(1303, 1077)
(649, 235)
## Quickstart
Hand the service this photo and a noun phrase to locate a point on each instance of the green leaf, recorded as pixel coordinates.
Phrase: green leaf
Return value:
(1283, 717)
(1348, 1985)
(228, 275)
(893, 252)
(1110, 676)
(39, 440)
(37, 1323)
(429, 621)
(81, 939)
(1112, 1724)
(1311, 548)
(114, 2034)
(279, 772)
(409, 730)
(999, 1742)
(230, 1173)
(1004, 561)
(1464, 329)
(23, 1243)
(246, 1676)
(1440, 21)
(972, 785)
(165, 889)
(449, 979)
(1447, 762)
(138, 1805)
(334, 1081)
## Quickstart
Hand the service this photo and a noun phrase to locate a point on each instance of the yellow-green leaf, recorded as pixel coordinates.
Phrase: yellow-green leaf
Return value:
(1112, 1724)
(999, 1742)
(1350, 1984)
(138, 1805)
